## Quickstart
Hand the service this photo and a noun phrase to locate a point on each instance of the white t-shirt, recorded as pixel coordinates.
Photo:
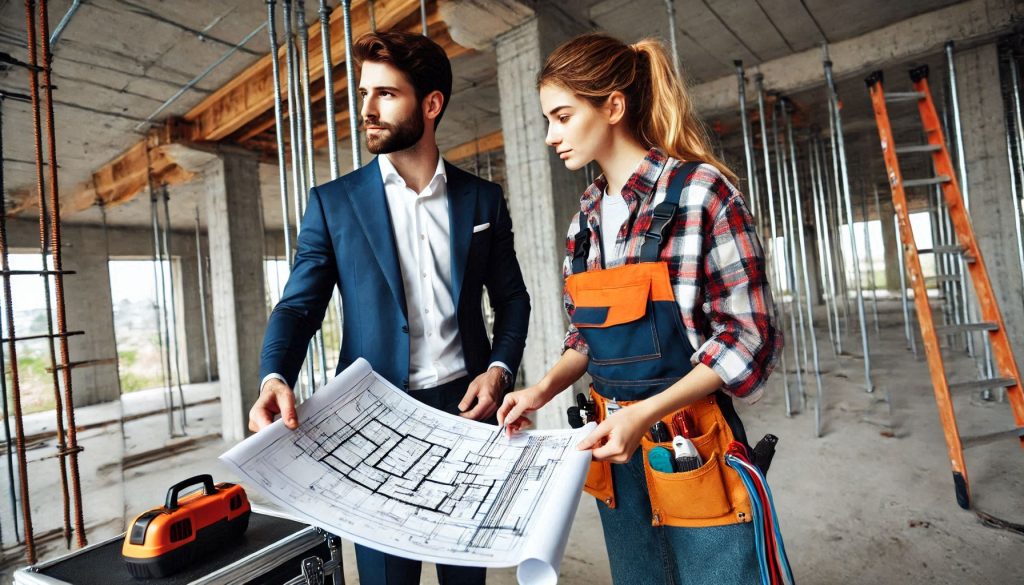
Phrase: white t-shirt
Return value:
(614, 213)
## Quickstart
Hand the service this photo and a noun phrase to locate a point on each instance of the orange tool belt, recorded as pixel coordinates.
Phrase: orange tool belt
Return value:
(712, 495)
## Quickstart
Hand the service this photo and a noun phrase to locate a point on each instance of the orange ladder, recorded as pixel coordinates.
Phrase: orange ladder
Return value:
(991, 319)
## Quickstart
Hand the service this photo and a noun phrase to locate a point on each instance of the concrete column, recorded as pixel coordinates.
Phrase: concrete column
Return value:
(194, 358)
(90, 308)
(542, 194)
(988, 176)
(236, 265)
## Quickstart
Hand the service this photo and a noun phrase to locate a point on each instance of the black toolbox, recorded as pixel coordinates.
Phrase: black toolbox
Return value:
(271, 552)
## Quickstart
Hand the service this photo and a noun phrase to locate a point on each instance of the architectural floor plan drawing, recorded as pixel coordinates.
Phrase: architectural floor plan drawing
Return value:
(373, 465)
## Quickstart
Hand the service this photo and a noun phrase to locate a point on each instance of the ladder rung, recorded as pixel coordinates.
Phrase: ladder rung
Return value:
(912, 148)
(902, 96)
(964, 327)
(925, 182)
(979, 440)
(982, 384)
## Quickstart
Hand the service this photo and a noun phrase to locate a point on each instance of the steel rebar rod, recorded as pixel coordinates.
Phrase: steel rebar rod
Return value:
(201, 268)
(72, 448)
(12, 353)
(670, 8)
(33, 69)
(797, 205)
(350, 75)
(279, 128)
(748, 147)
(772, 248)
(172, 305)
(8, 441)
(834, 102)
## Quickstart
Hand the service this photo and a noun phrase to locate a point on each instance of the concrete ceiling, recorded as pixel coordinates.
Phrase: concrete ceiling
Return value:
(119, 60)
(713, 33)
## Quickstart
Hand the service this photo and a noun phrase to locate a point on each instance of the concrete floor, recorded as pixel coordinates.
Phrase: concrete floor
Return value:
(865, 503)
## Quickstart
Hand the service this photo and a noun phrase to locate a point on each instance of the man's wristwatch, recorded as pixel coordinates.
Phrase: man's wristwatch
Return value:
(506, 379)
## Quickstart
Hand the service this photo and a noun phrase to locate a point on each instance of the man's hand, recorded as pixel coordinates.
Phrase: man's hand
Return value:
(275, 398)
(486, 389)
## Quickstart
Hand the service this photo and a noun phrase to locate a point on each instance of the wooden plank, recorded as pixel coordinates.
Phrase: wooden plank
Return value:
(487, 143)
(252, 92)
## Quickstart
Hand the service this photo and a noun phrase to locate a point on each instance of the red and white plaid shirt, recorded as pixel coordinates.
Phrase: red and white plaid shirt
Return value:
(715, 263)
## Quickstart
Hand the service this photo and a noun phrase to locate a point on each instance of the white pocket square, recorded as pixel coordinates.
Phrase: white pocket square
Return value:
(481, 227)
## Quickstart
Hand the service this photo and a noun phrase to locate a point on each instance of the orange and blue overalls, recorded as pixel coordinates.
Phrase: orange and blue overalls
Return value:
(681, 528)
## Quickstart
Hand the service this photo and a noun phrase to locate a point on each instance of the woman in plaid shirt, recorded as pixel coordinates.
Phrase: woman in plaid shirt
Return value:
(669, 331)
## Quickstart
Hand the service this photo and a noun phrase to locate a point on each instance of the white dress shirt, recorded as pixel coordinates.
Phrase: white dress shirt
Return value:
(423, 238)
(422, 231)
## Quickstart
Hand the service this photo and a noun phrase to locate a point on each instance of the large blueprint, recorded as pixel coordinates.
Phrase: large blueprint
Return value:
(373, 465)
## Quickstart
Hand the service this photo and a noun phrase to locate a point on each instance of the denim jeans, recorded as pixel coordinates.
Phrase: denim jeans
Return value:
(642, 554)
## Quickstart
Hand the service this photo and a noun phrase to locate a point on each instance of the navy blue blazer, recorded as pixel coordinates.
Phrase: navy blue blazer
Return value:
(347, 240)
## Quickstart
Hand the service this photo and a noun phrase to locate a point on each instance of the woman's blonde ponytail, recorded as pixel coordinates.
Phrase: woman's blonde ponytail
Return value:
(661, 114)
(671, 122)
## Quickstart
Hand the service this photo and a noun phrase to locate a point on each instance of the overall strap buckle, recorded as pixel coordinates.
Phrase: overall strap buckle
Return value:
(581, 249)
(665, 213)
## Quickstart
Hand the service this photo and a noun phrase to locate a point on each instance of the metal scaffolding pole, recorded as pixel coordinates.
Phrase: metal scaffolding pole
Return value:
(772, 248)
(310, 155)
(828, 232)
(797, 205)
(795, 314)
(748, 147)
(908, 331)
(172, 308)
(821, 234)
(838, 125)
(1016, 166)
(350, 75)
(202, 299)
(423, 18)
(279, 128)
(158, 305)
(670, 8)
(871, 257)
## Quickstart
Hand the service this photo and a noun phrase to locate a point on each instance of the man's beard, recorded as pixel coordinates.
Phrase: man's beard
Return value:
(395, 137)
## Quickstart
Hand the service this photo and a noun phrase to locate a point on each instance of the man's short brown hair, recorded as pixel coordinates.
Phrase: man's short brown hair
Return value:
(423, 61)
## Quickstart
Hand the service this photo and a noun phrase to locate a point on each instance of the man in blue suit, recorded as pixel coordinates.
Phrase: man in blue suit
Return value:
(410, 241)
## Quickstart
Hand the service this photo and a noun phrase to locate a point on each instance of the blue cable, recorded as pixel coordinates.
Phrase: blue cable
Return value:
(775, 520)
(755, 505)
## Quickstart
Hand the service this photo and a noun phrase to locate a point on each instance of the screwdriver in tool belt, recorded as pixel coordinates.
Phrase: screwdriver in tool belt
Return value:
(686, 457)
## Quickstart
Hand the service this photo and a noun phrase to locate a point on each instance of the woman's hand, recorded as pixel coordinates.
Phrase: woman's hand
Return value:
(516, 405)
(618, 436)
